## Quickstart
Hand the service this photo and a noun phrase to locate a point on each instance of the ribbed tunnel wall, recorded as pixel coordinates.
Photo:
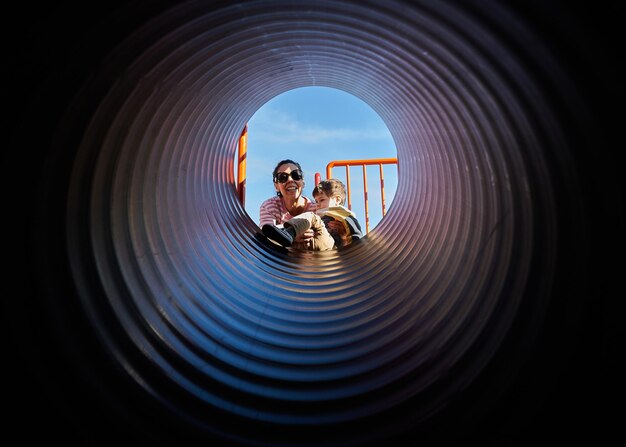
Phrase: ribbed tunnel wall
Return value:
(209, 333)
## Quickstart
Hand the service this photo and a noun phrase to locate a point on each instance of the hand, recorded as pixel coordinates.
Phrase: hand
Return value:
(307, 235)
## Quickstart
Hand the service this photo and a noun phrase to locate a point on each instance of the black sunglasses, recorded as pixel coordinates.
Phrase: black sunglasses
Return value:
(282, 177)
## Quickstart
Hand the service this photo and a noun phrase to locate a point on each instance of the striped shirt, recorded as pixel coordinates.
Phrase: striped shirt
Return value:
(273, 211)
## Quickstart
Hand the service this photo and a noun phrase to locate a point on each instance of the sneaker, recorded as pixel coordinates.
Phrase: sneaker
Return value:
(284, 236)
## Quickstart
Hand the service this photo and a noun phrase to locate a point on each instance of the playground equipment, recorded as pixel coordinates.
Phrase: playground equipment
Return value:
(161, 313)
(363, 163)
(242, 155)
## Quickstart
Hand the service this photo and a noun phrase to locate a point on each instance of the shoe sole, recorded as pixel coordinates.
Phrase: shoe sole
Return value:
(275, 234)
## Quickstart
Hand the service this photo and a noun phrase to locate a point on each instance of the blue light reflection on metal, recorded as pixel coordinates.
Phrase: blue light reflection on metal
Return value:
(398, 324)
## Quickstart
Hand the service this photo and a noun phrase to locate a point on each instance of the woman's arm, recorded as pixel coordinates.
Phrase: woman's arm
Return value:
(269, 212)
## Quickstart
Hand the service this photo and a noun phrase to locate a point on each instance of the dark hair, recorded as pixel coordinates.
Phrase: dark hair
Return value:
(332, 188)
(284, 162)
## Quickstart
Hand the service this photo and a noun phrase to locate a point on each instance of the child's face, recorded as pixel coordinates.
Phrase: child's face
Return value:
(323, 201)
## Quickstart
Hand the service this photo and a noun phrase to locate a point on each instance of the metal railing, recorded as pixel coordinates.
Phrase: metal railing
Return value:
(352, 163)
(242, 157)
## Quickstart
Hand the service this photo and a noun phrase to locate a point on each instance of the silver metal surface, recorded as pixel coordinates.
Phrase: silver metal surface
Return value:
(252, 344)
(317, 339)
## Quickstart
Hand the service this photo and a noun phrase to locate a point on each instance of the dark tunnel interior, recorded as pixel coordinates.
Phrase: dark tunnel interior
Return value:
(143, 305)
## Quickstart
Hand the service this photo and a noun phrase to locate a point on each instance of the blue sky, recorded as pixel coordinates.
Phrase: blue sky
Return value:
(313, 126)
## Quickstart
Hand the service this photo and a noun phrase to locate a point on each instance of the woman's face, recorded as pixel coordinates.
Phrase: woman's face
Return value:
(291, 189)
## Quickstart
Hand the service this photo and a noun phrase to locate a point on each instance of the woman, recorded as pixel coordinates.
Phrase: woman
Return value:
(289, 201)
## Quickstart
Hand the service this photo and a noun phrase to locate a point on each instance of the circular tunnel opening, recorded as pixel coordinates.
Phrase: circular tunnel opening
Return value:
(318, 126)
(311, 340)
(209, 332)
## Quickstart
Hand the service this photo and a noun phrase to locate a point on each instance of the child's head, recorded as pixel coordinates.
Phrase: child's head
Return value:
(331, 192)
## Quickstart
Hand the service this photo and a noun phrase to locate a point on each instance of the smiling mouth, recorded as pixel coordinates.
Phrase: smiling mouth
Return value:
(291, 188)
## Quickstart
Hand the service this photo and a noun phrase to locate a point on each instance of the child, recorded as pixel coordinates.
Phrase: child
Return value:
(329, 196)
